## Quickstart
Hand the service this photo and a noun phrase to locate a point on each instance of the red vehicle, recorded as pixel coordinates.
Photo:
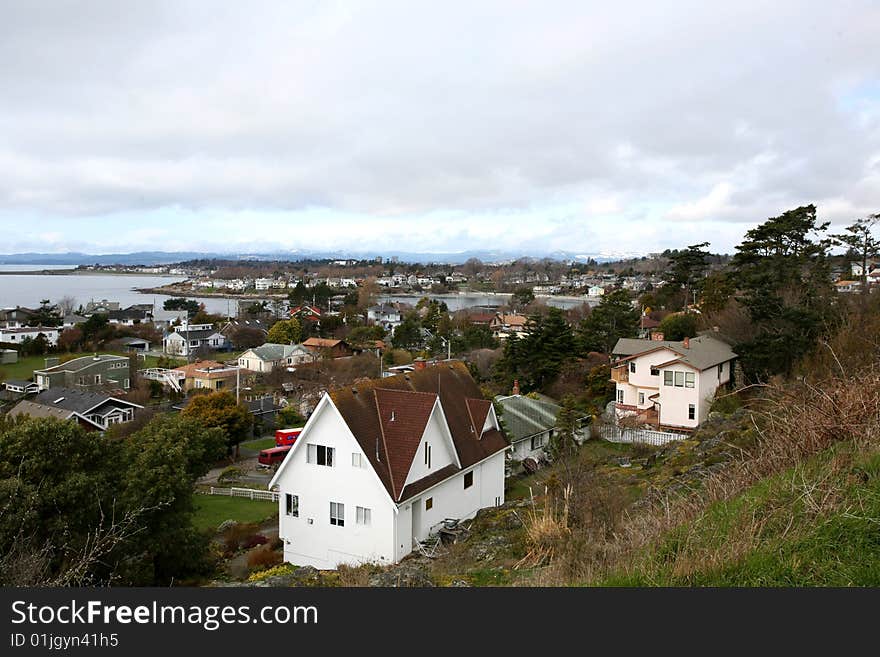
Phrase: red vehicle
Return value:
(286, 436)
(273, 456)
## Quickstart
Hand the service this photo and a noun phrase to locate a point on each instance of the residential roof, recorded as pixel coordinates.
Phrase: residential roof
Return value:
(258, 324)
(76, 364)
(702, 352)
(366, 409)
(75, 401)
(194, 334)
(513, 320)
(17, 383)
(648, 322)
(32, 409)
(273, 351)
(206, 369)
(31, 329)
(524, 417)
(481, 318)
(386, 308)
(322, 343)
(133, 341)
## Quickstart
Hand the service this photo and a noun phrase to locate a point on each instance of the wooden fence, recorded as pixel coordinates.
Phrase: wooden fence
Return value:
(250, 493)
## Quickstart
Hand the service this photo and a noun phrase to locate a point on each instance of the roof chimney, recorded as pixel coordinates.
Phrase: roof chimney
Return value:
(657, 336)
(515, 390)
(420, 363)
(687, 342)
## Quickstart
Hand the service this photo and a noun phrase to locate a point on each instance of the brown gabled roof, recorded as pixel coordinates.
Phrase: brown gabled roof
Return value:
(362, 408)
(648, 322)
(478, 409)
(322, 343)
(403, 416)
(481, 318)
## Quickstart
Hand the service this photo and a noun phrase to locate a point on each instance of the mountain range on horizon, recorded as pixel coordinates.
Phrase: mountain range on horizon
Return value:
(149, 258)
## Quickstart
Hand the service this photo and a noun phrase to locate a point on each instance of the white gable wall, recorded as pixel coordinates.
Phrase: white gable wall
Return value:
(310, 539)
(438, 437)
(450, 500)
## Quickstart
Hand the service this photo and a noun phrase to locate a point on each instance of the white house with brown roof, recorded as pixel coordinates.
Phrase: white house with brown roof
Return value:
(381, 466)
(669, 384)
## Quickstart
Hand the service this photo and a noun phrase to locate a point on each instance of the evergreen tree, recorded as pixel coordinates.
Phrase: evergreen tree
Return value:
(860, 239)
(782, 274)
(614, 318)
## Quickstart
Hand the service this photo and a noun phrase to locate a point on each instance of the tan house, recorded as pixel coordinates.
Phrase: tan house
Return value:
(207, 374)
(504, 325)
(669, 384)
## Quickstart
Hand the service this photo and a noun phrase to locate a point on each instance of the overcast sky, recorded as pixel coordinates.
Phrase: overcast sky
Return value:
(594, 127)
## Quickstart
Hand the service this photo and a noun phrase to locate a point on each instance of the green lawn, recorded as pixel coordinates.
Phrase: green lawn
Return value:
(259, 443)
(211, 510)
(24, 368)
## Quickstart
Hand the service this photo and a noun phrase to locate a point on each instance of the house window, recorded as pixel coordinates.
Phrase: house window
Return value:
(620, 395)
(632, 367)
(337, 514)
(97, 379)
(538, 441)
(641, 398)
(82, 380)
(689, 379)
(429, 504)
(363, 516)
(692, 411)
(320, 455)
(127, 384)
(469, 479)
(655, 371)
(291, 504)
(357, 460)
(679, 379)
(667, 378)
(428, 455)
(720, 370)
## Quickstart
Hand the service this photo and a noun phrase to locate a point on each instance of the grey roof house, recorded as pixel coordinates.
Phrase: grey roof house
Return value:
(91, 410)
(529, 424)
(86, 373)
(267, 357)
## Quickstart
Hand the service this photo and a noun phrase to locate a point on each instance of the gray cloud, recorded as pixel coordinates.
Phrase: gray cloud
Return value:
(680, 112)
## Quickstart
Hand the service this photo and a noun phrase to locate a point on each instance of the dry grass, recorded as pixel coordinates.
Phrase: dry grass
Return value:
(546, 528)
(792, 423)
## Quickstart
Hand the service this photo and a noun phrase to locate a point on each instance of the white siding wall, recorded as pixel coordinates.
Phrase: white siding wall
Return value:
(523, 448)
(437, 436)
(319, 543)
(452, 500)
(675, 401)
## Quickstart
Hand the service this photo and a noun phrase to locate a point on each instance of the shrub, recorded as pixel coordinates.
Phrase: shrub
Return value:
(230, 474)
(263, 558)
(253, 541)
(282, 569)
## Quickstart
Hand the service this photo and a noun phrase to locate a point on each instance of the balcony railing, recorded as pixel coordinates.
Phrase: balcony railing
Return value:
(620, 374)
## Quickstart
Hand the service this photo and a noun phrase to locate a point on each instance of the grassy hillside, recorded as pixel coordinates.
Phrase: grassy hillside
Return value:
(817, 524)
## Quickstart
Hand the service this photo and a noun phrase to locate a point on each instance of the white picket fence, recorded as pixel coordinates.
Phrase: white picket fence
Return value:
(616, 434)
(250, 493)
